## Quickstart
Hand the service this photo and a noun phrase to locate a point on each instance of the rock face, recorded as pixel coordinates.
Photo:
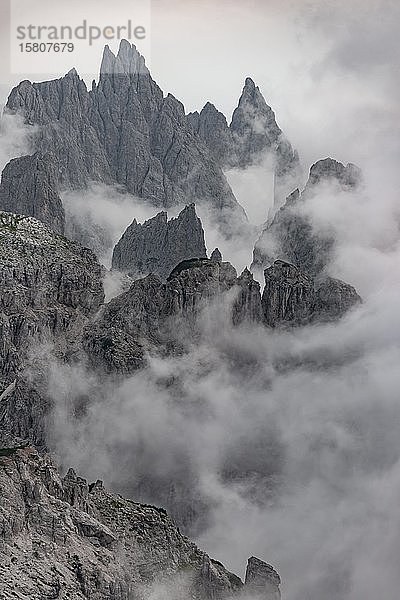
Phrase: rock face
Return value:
(334, 298)
(216, 255)
(60, 537)
(247, 306)
(211, 125)
(290, 235)
(50, 287)
(124, 131)
(252, 134)
(29, 187)
(262, 581)
(154, 316)
(159, 245)
(288, 295)
(291, 298)
(348, 176)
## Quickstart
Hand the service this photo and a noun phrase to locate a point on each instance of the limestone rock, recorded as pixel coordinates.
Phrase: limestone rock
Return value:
(47, 283)
(290, 235)
(29, 187)
(211, 126)
(334, 298)
(291, 298)
(288, 295)
(63, 537)
(124, 131)
(349, 176)
(153, 316)
(216, 255)
(252, 134)
(159, 245)
(247, 306)
(50, 287)
(262, 581)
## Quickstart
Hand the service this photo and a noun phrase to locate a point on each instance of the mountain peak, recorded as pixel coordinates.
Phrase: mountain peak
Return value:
(249, 84)
(159, 245)
(331, 169)
(127, 61)
(251, 95)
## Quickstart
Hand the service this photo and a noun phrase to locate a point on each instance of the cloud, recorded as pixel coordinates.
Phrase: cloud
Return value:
(285, 444)
(15, 138)
(282, 445)
(98, 216)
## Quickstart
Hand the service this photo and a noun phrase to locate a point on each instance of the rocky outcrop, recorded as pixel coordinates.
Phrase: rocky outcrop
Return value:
(47, 283)
(159, 245)
(290, 297)
(333, 299)
(252, 135)
(153, 316)
(262, 581)
(29, 187)
(290, 235)
(125, 131)
(216, 255)
(247, 305)
(211, 125)
(163, 317)
(50, 287)
(62, 537)
(330, 170)
(255, 131)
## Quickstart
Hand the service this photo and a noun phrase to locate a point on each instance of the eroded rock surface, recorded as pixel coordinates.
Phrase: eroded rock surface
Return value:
(291, 297)
(291, 235)
(156, 315)
(50, 287)
(262, 581)
(60, 537)
(125, 131)
(158, 245)
(29, 186)
(252, 136)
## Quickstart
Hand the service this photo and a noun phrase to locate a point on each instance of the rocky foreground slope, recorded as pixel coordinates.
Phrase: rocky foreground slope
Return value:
(50, 287)
(63, 538)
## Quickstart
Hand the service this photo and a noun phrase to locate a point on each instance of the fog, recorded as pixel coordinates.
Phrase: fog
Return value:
(15, 138)
(99, 215)
(283, 445)
(280, 444)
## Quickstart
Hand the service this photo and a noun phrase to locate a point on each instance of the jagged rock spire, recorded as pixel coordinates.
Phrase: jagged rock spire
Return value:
(159, 245)
(253, 122)
(253, 117)
(329, 169)
(262, 581)
(216, 255)
(128, 61)
(125, 131)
